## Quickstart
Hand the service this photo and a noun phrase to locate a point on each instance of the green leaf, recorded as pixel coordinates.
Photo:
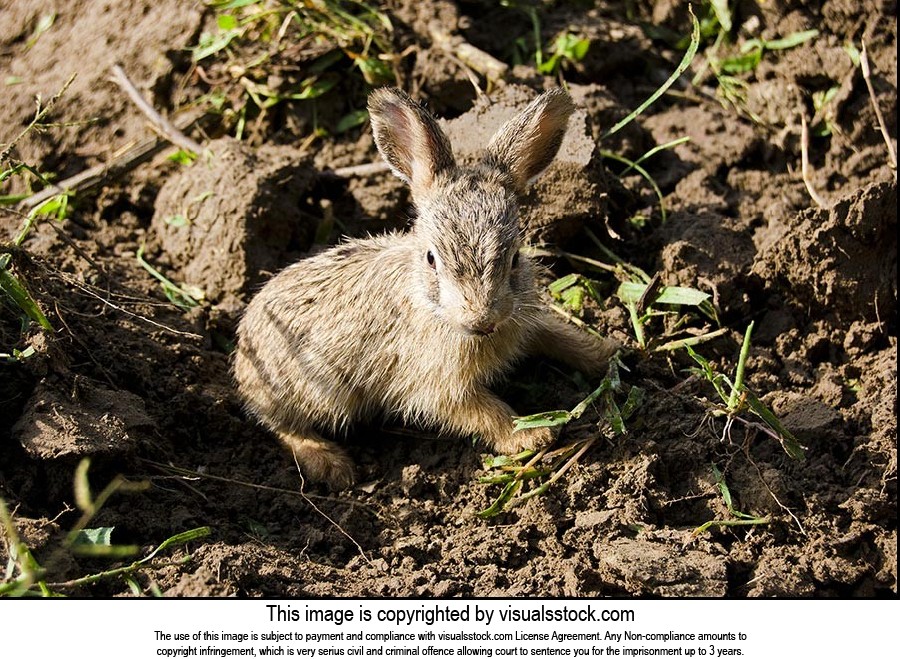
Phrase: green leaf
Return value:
(741, 63)
(542, 420)
(12, 287)
(853, 53)
(501, 501)
(226, 22)
(633, 402)
(56, 206)
(374, 71)
(821, 99)
(788, 442)
(608, 383)
(177, 221)
(101, 535)
(21, 355)
(723, 13)
(791, 40)
(614, 416)
(82, 486)
(351, 120)
(210, 44)
(225, 5)
(580, 49)
(182, 157)
(723, 487)
(573, 298)
(563, 283)
(314, 87)
(45, 22)
(630, 292)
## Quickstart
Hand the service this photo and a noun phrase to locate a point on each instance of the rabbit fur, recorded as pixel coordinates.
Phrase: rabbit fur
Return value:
(414, 325)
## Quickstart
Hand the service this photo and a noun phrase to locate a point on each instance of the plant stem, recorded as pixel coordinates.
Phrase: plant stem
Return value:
(739, 375)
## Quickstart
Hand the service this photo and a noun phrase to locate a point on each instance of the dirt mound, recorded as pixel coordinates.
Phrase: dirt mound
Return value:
(93, 420)
(234, 217)
(841, 260)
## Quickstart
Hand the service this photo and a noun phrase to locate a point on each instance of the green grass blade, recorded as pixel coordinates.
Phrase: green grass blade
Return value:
(540, 489)
(691, 340)
(643, 172)
(706, 370)
(723, 488)
(542, 420)
(633, 402)
(501, 501)
(756, 521)
(685, 63)
(791, 40)
(614, 415)
(735, 396)
(176, 295)
(723, 13)
(788, 441)
(178, 539)
(17, 292)
(631, 291)
(655, 150)
(637, 324)
(563, 283)
(493, 461)
(582, 407)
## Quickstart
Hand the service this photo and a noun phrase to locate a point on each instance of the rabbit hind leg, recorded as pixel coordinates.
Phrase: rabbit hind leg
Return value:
(318, 458)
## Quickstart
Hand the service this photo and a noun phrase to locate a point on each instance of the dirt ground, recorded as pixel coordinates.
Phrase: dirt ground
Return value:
(143, 388)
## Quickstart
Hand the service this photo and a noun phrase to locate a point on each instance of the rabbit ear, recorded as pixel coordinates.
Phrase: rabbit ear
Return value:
(408, 138)
(527, 143)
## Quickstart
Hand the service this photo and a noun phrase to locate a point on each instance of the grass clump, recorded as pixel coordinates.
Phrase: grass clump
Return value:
(184, 297)
(531, 473)
(14, 293)
(730, 63)
(24, 576)
(647, 301)
(737, 518)
(550, 58)
(265, 54)
(736, 398)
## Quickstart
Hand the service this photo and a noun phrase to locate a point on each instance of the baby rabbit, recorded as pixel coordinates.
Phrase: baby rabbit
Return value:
(414, 325)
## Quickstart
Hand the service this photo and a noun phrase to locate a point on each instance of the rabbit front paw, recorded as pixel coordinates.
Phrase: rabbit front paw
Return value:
(523, 440)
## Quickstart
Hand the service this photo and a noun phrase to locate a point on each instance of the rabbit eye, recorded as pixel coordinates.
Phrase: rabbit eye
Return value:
(429, 256)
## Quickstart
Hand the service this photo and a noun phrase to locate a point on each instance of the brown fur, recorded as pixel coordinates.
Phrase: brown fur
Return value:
(377, 327)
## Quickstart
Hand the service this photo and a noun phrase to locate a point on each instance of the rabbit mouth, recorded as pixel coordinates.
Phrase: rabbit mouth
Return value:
(481, 330)
(484, 331)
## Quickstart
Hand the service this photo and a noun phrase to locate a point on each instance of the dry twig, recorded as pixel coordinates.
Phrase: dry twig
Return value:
(864, 64)
(94, 176)
(804, 162)
(163, 125)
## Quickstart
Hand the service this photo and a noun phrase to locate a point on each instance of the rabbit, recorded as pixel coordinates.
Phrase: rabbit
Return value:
(414, 325)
